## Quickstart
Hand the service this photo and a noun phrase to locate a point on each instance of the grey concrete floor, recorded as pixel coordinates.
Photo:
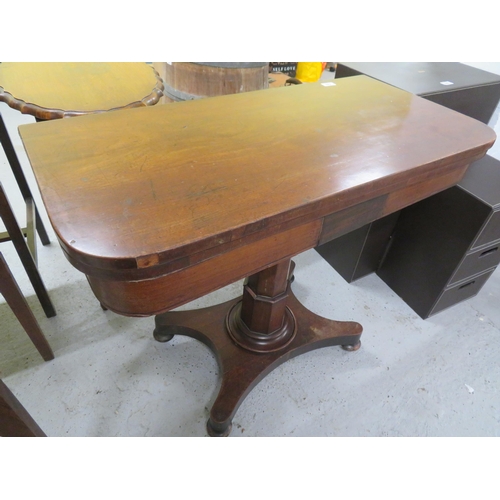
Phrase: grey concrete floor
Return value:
(411, 377)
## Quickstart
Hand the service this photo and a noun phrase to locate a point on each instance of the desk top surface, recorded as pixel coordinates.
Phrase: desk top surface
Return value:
(58, 90)
(137, 187)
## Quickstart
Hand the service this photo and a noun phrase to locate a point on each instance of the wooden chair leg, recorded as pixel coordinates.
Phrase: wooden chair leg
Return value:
(23, 250)
(16, 301)
(15, 421)
(20, 178)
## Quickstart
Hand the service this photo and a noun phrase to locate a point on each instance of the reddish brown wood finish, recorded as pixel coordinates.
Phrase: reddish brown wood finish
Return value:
(158, 206)
(263, 291)
(144, 297)
(16, 301)
(18, 172)
(241, 369)
(25, 247)
(136, 190)
(15, 421)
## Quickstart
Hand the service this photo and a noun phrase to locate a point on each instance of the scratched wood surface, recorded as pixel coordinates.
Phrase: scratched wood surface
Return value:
(148, 181)
(58, 90)
(141, 193)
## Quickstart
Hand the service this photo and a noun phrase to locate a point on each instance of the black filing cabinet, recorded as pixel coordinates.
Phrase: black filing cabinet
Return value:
(445, 247)
(359, 252)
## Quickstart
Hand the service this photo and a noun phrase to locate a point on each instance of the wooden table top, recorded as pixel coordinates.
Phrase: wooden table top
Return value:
(131, 191)
(58, 90)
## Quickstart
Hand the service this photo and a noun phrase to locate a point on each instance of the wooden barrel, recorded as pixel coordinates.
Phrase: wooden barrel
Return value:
(194, 80)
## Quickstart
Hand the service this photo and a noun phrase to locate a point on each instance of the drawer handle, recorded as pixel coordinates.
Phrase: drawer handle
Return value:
(487, 252)
(467, 284)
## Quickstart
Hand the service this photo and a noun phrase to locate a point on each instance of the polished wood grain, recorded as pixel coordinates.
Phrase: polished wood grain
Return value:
(58, 90)
(135, 190)
(161, 205)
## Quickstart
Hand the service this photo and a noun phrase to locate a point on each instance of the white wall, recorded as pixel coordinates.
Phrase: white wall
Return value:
(492, 67)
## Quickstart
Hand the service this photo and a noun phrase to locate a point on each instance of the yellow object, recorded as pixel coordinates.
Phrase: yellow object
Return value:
(309, 71)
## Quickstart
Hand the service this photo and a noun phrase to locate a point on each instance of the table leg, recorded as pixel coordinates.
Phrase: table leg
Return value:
(253, 334)
(18, 172)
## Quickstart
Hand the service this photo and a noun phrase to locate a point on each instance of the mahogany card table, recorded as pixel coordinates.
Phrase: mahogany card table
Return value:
(161, 205)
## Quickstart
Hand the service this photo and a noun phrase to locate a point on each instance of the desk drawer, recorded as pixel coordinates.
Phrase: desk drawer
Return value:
(477, 261)
(461, 291)
(490, 231)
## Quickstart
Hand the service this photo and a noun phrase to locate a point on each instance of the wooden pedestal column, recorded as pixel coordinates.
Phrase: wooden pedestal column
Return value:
(253, 334)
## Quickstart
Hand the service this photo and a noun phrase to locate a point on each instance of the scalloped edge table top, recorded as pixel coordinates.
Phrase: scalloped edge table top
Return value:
(59, 90)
